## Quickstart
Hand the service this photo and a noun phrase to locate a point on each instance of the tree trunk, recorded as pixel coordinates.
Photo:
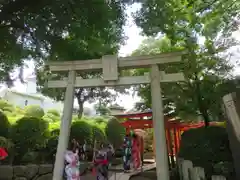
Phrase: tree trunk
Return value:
(201, 104)
(203, 111)
(80, 106)
(80, 110)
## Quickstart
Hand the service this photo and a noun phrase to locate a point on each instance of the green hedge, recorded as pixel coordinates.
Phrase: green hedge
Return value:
(208, 148)
(33, 134)
(81, 131)
(115, 132)
(4, 125)
(34, 111)
(29, 134)
(54, 112)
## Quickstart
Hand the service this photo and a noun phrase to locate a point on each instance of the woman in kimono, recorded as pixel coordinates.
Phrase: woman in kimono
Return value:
(101, 163)
(136, 152)
(127, 147)
(72, 159)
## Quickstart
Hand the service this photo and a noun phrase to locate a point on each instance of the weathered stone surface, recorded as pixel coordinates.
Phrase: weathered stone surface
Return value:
(6, 172)
(45, 168)
(35, 172)
(19, 171)
(20, 178)
(45, 177)
(31, 171)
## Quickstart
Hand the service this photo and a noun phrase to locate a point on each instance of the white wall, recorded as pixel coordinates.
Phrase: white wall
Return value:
(31, 86)
(50, 104)
(20, 100)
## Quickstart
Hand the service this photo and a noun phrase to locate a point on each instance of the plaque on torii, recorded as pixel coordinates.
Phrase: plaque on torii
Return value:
(110, 66)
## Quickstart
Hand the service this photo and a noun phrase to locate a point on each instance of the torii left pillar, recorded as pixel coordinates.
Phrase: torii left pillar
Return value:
(65, 127)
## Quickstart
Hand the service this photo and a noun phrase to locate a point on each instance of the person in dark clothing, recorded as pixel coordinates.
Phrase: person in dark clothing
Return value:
(127, 146)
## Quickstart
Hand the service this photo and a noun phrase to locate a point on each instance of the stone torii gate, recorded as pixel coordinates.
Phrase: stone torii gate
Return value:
(110, 66)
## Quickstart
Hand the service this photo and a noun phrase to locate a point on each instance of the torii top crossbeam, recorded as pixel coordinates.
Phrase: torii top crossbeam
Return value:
(110, 66)
(123, 62)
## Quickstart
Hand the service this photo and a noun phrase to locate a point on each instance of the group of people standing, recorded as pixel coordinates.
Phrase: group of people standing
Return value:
(101, 161)
(102, 158)
(132, 152)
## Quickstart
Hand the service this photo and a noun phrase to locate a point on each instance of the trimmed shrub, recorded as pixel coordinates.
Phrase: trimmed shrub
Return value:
(19, 110)
(9, 109)
(51, 149)
(53, 112)
(115, 132)
(81, 130)
(5, 104)
(51, 118)
(31, 157)
(98, 133)
(9, 146)
(100, 120)
(208, 148)
(34, 111)
(29, 134)
(4, 125)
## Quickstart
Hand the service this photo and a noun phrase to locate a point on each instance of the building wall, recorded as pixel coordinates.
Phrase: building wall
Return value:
(50, 104)
(116, 111)
(22, 100)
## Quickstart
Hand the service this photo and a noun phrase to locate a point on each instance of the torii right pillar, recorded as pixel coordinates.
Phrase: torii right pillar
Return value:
(162, 165)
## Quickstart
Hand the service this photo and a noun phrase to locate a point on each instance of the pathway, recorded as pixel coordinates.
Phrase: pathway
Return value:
(126, 176)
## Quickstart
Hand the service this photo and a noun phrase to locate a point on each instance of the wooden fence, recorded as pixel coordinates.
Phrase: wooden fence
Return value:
(188, 172)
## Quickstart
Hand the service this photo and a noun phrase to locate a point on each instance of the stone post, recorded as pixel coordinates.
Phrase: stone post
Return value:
(232, 111)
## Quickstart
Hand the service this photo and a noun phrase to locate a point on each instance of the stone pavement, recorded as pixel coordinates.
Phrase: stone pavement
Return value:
(126, 176)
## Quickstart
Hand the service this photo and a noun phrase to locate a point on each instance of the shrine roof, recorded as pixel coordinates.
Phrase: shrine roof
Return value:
(133, 114)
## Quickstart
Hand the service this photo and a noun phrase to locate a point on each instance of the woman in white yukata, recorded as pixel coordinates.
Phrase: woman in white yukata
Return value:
(72, 170)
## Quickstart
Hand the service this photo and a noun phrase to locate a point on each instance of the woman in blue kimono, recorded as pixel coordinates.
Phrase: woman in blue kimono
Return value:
(127, 147)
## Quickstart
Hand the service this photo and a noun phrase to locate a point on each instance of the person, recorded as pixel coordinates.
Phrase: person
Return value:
(110, 154)
(136, 152)
(72, 159)
(84, 148)
(3, 154)
(101, 163)
(127, 147)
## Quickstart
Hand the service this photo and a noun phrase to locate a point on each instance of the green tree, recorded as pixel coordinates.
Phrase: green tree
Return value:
(102, 109)
(29, 134)
(185, 23)
(42, 30)
(181, 98)
(96, 42)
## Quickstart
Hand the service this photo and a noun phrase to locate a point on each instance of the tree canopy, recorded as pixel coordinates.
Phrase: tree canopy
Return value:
(57, 29)
(204, 29)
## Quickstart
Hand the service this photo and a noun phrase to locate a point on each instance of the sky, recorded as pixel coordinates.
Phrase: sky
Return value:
(134, 40)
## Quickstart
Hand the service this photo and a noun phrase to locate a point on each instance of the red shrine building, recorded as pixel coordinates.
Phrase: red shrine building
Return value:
(174, 128)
